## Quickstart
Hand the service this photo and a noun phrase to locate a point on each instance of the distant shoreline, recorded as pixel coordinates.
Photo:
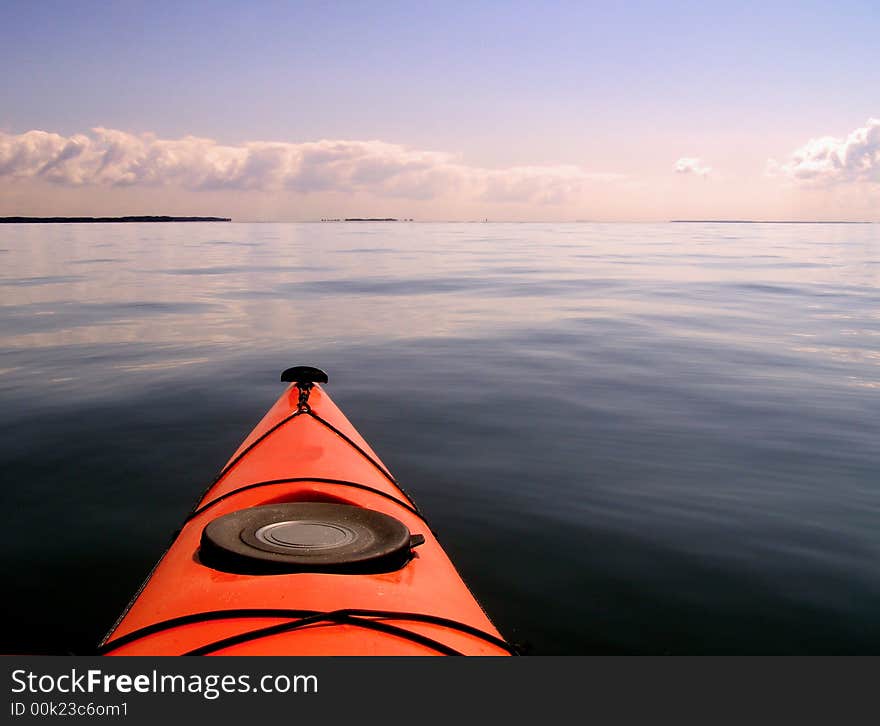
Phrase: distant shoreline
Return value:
(364, 219)
(86, 220)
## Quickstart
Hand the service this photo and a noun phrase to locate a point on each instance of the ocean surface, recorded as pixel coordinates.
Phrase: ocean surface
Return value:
(630, 438)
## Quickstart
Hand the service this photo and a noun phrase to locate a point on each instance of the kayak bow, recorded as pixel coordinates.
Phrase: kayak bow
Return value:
(304, 544)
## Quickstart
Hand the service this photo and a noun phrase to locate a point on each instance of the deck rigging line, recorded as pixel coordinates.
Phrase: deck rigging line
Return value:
(302, 618)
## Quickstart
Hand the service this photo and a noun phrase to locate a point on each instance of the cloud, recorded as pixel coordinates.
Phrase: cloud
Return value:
(831, 160)
(117, 158)
(692, 165)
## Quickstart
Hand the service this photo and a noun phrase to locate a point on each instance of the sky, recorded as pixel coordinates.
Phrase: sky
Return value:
(441, 110)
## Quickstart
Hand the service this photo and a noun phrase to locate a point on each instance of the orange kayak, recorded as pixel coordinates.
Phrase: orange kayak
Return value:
(304, 544)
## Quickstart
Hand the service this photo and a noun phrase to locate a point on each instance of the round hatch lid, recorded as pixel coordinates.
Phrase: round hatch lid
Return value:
(307, 537)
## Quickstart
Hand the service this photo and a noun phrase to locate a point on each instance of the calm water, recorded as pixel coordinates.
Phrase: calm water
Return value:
(630, 438)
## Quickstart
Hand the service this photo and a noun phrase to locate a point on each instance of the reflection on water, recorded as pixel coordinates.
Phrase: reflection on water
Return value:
(630, 438)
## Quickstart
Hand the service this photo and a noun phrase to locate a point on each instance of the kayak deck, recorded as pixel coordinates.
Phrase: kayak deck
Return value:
(304, 453)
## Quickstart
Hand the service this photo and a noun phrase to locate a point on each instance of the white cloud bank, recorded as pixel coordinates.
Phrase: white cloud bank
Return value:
(118, 158)
(692, 165)
(832, 160)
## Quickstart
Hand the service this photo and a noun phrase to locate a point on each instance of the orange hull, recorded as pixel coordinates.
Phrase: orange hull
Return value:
(312, 454)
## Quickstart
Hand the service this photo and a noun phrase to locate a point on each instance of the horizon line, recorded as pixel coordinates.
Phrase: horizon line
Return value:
(406, 220)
